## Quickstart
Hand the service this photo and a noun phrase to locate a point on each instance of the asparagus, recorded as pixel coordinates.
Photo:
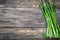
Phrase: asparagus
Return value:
(49, 12)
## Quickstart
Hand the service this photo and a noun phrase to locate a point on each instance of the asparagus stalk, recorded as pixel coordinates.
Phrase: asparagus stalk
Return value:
(49, 12)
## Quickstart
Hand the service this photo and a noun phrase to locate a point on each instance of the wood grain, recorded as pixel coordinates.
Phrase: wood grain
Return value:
(21, 19)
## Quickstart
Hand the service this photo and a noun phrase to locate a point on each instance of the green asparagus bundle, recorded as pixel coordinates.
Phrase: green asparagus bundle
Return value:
(49, 12)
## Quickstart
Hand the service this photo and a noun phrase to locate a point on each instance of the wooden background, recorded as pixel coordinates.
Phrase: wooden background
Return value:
(21, 19)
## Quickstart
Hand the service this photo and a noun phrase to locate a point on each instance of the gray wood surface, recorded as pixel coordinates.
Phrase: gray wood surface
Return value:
(23, 19)
(24, 3)
(23, 32)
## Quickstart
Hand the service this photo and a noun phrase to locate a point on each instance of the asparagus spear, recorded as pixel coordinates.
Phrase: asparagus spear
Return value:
(49, 12)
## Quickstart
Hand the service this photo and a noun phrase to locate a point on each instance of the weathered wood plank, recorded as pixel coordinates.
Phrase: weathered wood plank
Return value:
(22, 32)
(22, 17)
(21, 23)
(20, 3)
(20, 13)
(25, 3)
